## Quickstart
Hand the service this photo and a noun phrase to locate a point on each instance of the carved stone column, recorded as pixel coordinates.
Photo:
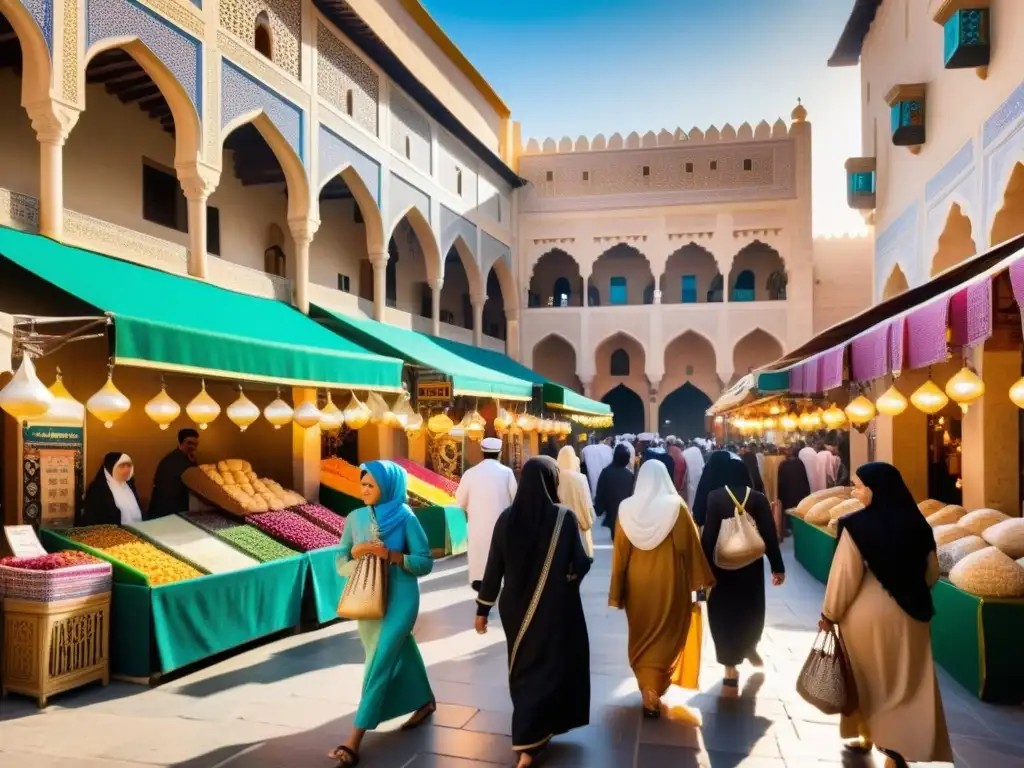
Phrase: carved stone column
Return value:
(302, 233)
(512, 344)
(379, 262)
(198, 181)
(435, 305)
(52, 121)
(478, 301)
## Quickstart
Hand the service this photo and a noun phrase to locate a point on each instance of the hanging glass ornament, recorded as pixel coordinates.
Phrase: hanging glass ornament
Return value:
(965, 388)
(278, 412)
(891, 402)
(307, 415)
(331, 416)
(790, 422)
(162, 409)
(1017, 393)
(203, 409)
(414, 426)
(65, 409)
(402, 411)
(357, 413)
(928, 398)
(860, 411)
(108, 404)
(502, 421)
(834, 417)
(806, 423)
(476, 426)
(378, 408)
(25, 396)
(243, 412)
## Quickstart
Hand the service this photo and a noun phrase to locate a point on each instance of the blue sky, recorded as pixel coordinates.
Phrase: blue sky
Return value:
(571, 67)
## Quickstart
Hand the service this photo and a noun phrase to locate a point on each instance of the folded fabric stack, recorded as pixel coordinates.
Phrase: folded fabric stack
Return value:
(255, 543)
(340, 476)
(54, 577)
(323, 517)
(428, 476)
(193, 544)
(427, 493)
(156, 565)
(293, 530)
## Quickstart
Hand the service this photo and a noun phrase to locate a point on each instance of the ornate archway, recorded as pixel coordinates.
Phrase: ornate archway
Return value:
(555, 358)
(955, 242)
(688, 276)
(895, 284)
(755, 349)
(1009, 221)
(628, 409)
(753, 273)
(622, 275)
(683, 412)
(554, 274)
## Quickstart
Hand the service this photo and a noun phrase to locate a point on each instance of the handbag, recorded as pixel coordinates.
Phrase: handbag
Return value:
(686, 672)
(739, 542)
(826, 680)
(366, 592)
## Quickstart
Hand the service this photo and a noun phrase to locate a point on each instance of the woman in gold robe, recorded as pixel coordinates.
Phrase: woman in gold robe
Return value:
(879, 593)
(657, 563)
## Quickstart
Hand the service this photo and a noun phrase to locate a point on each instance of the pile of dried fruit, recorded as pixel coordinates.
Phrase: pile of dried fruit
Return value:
(156, 565)
(68, 558)
(340, 476)
(323, 517)
(210, 521)
(424, 474)
(255, 543)
(294, 530)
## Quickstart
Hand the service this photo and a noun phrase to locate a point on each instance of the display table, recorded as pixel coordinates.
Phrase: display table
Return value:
(155, 630)
(324, 583)
(977, 641)
(813, 547)
(338, 502)
(446, 529)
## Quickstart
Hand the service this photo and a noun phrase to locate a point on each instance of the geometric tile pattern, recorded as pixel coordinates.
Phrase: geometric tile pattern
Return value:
(410, 132)
(240, 93)
(42, 12)
(341, 70)
(453, 226)
(285, 17)
(334, 152)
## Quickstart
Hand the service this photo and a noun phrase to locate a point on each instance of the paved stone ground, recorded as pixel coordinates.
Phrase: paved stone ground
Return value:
(286, 703)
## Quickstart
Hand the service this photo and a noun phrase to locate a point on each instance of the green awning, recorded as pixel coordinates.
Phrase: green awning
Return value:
(750, 387)
(554, 394)
(174, 323)
(468, 377)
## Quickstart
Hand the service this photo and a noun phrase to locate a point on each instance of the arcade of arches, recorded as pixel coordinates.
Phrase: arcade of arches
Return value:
(677, 402)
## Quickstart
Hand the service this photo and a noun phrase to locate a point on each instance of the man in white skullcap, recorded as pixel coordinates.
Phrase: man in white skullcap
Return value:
(485, 491)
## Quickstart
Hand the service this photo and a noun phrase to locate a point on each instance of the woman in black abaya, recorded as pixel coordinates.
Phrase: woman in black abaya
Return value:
(536, 563)
(614, 485)
(736, 605)
(713, 476)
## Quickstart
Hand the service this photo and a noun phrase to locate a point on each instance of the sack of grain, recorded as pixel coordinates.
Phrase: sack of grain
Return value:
(839, 492)
(988, 573)
(845, 508)
(944, 534)
(952, 553)
(980, 519)
(819, 513)
(1007, 536)
(948, 514)
(930, 506)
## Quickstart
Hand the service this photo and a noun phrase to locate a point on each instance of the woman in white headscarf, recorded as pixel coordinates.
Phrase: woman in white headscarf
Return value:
(657, 564)
(111, 498)
(574, 492)
(694, 458)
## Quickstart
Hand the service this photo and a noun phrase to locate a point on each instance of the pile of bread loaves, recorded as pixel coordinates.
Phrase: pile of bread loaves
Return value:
(977, 549)
(252, 493)
(824, 508)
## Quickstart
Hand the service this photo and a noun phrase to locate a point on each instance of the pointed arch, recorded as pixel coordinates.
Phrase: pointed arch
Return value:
(691, 356)
(37, 69)
(690, 335)
(683, 411)
(756, 348)
(425, 235)
(1008, 221)
(373, 219)
(895, 284)
(750, 269)
(477, 285)
(628, 409)
(187, 125)
(506, 281)
(955, 244)
(553, 265)
(555, 358)
(616, 338)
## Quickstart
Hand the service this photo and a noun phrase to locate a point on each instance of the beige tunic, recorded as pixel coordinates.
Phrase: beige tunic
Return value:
(891, 656)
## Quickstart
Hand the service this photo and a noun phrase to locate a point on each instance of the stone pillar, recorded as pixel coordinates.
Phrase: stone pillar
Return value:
(478, 301)
(588, 387)
(302, 233)
(198, 181)
(652, 408)
(512, 342)
(52, 121)
(435, 305)
(379, 262)
(305, 449)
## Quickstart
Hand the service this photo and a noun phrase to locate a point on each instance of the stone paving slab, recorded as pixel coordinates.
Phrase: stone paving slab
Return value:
(286, 703)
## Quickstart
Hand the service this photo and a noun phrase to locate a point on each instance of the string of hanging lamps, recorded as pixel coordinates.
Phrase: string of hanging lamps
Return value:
(108, 404)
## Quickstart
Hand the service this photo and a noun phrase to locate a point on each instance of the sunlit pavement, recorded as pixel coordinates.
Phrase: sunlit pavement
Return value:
(287, 703)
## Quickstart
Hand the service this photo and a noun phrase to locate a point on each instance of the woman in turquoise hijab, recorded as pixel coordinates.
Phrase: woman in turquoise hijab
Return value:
(395, 680)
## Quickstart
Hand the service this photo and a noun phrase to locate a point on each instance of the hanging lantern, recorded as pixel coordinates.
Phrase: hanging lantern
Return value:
(441, 424)
(243, 412)
(357, 413)
(108, 404)
(458, 431)
(203, 409)
(817, 418)
(163, 410)
(1017, 393)
(775, 410)
(806, 423)
(378, 408)
(965, 387)
(25, 396)
(789, 422)
(331, 416)
(860, 411)
(768, 423)
(892, 402)
(928, 398)
(566, 428)
(502, 421)
(278, 412)
(527, 422)
(402, 412)
(475, 426)
(307, 415)
(834, 417)
(414, 426)
(65, 409)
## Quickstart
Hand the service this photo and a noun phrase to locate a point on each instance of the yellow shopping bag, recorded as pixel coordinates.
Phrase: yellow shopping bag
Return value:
(687, 668)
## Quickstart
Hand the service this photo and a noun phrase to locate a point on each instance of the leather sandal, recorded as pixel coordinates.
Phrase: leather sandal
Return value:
(345, 755)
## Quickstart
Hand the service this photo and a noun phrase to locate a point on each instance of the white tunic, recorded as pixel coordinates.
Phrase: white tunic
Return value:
(596, 457)
(485, 491)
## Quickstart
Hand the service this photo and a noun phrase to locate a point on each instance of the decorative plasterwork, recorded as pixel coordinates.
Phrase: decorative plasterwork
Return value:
(898, 244)
(999, 161)
(452, 226)
(340, 71)
(493, 250)
(408, 124)
(754, 234)
(950, 172)
(690, 236)
(1007, 115)
(555, 241)
(181, 12)
(69, 49)
(19, 211)
(122, 243)
(178, 51)
(334, 153)
(285, 17)
(402, 196)
(262, 69)
(42, 12)
(620, 239)
(241, 93)
(239, 278)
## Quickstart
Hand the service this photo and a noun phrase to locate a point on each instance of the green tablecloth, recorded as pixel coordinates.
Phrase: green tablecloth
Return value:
(978, 642)
(325, 583)
(446, 529)
(458, 531)
(338, 502)
(813, 548)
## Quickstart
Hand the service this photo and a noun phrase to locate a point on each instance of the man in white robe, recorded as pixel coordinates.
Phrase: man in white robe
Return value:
(815, 469)
(694, 459)
(595, 458)
(484, 492)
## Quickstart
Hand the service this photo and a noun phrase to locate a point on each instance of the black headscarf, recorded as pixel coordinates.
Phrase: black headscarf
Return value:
(614, 485)
(620, 457)
(750, 462)
(99, 507)
(655, 455)
(535, 500)
(894, 539)
(714, 476)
